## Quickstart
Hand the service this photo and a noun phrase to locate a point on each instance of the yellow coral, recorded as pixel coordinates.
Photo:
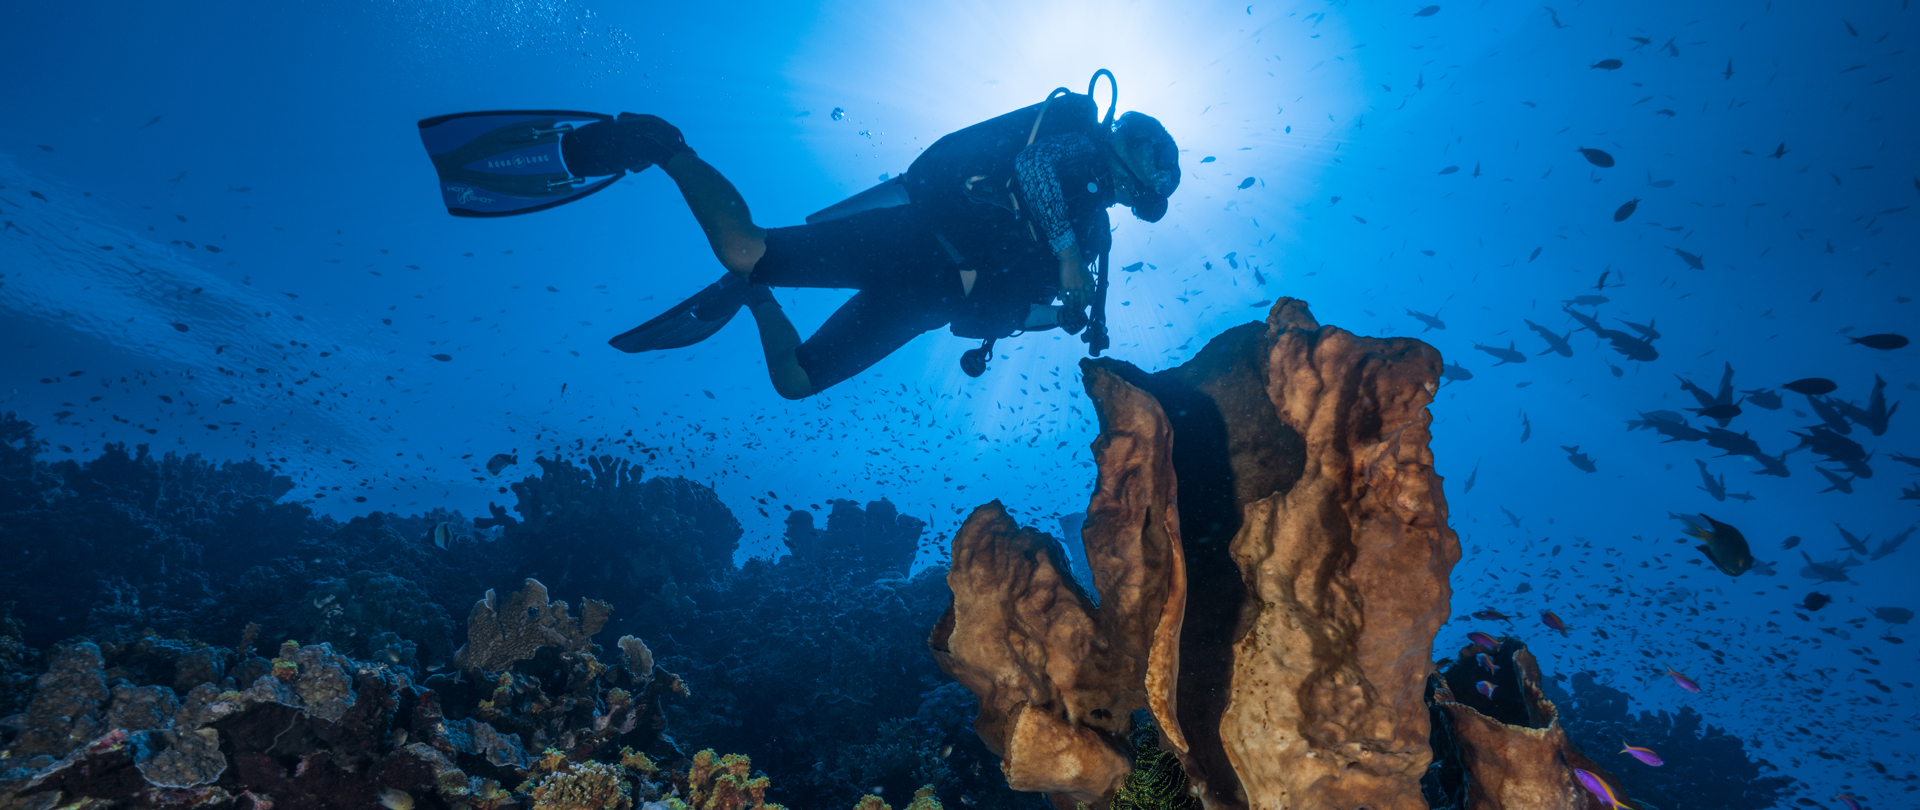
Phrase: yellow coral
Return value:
(582, 786)
(726, 784)
(285, 670)
(638, 761)
(923, 799)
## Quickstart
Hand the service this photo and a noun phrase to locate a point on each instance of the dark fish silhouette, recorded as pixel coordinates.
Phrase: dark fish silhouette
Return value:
(500, 461)
(156, 120)
(1812, 386)
(1736, 444)
(1505, 356)
(1715, 487)
(1893, 615)
(1790, 542)
(1247, 183)
(1831, 571)
(1536, 255)
(1597, 157)
(1720, 407)
(1833, 446)
(1773, 465)
(1763, 398)
(1626, 210)
(1432, 321)
(1844, 485)
(1668, 424)
(1605, 64)
(1659, 183)
(1723, 545)
(1450, 170)
(1729, 73)
(1556, 344)
(1828, 409)
(1647, 330)
(1586, 300)
(1857, 544)
(1634, 348)
(1454, 372)
(1579, 459)
(1695, 262)
(442, 357)
(1780, 151)
(1883, 342)
(1471, 477)
(1815, 601)
(1874, 417)
(1427, 12)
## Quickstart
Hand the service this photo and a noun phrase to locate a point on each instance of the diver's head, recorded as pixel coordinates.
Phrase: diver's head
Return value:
(1146, 165)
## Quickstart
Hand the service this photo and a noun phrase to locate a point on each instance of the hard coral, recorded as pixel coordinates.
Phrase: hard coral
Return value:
(500, 633)
(378, 617)
(563, 785)
(723, 783)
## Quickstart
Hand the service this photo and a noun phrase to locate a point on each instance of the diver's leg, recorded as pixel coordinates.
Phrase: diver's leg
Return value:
(722, 213)
(778, 339)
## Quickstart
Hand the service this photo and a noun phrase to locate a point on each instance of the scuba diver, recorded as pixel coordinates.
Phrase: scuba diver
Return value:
(982, 233)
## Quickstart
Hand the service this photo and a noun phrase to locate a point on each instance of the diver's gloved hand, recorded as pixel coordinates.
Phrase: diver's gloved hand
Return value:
(631, 143)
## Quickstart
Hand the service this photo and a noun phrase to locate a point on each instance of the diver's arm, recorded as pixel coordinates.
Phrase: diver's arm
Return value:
(1038, 167)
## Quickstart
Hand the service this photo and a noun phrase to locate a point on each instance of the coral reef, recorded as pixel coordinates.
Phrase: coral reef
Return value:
(1271, 610)
(1508, 749)
(191, 725)
(871, 543)
(376, 617)
(501, 633)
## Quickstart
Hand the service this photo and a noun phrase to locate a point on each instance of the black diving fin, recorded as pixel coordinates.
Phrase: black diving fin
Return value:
(506, 162)
(692, 320)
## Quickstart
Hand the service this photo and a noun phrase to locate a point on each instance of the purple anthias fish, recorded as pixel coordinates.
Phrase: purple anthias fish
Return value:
(1486, 663)
(1600, 789)
(1485, 688)
(1851, 804)
(1483, 640)
(1643, 754)
(1684, 681)
(1553, 621)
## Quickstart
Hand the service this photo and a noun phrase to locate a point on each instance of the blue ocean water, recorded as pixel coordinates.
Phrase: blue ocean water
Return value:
(204, 199)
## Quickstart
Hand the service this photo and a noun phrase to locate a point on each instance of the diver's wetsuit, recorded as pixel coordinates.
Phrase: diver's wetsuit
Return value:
(983, 199)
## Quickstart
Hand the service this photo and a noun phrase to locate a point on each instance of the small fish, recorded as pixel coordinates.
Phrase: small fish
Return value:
(1486, 662)
(1483, 640)
(1851, 804)
(1626, 210)
(1790, 542)
(1450, 170)
(1812, 386)
(1606, 64)
(442, 357)
(1492, 615)
(1247, 183)
(1427, 12)
(441, 535)
(1536, 255)
(1207, 159)
(1643, 754)
(1485, 688)
(1883, 342)
(1780, 151)
(1596, 157)
(395, 799)
(1600, 789)
(1552, 620)
(240, 189)
(156, 120)
(1586, 300)
(1579, 459)
(500, 461)
(1133, 268)
(179, 327)
(1815, 600)
(1683, 681)
(1693, 261)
